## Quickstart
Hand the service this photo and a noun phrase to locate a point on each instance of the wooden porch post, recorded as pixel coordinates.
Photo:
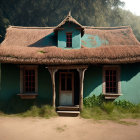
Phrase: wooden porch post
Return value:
(81, 76)
(52, 72)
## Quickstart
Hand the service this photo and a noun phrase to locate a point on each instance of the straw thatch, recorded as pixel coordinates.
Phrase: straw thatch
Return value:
(70, 19)
(22, 45)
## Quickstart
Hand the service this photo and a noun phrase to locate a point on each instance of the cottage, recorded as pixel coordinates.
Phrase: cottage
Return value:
(69, 62)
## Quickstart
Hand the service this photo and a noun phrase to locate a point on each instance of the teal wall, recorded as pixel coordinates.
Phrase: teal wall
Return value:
(130, 83)
(93, 81)
(76, 36)
(10, 84)
(92, 41)
(44, 84)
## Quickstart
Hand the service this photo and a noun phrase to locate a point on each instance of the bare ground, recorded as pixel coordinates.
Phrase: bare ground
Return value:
(67, 128)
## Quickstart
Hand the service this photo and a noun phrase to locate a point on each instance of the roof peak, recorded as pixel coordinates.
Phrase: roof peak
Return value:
(69, 18)
(69, 14)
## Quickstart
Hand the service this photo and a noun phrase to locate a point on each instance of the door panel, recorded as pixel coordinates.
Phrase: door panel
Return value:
(66, 99)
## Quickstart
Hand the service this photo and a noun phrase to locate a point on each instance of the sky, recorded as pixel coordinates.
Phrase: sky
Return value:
(133, 6)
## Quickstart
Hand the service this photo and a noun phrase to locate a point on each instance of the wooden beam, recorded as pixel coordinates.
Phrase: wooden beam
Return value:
(81, 76)
(52, 72)
(69, 67)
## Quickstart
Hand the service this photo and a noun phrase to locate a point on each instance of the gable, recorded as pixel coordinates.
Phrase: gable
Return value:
(76, 36)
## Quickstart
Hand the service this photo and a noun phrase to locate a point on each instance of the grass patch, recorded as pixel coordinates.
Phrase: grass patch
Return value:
(101, 109)
(45, 111)
(27, 108)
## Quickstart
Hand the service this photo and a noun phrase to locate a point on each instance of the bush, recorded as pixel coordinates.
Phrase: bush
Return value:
(124, 104)
(94, 101)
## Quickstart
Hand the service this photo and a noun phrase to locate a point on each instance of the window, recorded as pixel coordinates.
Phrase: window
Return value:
(69, 39)
(28, 82)
(66, 81)
(111, 81)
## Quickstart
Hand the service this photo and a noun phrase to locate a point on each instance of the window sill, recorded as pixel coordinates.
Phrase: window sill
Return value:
(111, 95)
(28, 96)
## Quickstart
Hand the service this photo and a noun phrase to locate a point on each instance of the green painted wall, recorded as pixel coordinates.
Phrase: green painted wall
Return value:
(10, 84)
(44, 84)
(130, 85)
(92, 41)
(93, 81)
(76, 36)
(130, 82)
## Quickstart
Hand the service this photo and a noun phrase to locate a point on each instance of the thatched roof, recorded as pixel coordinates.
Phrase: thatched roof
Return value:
(69, 19)
(37, 45)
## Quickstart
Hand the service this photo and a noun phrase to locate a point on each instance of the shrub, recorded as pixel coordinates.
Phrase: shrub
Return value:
(94, 101)
(124, 104)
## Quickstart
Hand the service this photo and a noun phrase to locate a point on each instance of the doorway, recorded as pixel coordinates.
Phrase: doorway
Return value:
(66, 88)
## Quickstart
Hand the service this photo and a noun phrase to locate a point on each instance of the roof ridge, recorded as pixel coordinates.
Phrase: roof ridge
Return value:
(24, 27)
(107, 28)
(86, 27)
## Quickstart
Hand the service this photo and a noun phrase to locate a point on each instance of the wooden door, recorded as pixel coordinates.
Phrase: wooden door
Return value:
(66, 89)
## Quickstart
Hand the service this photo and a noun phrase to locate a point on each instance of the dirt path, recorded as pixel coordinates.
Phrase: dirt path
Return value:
(66, 128)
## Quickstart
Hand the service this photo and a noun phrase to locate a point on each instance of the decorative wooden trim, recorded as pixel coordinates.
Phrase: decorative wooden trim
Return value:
(28, 96)
(81, 77)
(66, 91)
(111, 95)
(28, 67)
(68, 67)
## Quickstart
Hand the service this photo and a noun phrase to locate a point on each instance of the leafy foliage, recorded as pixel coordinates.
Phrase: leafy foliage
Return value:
(124, 104)
(100, 109)
(93, 101)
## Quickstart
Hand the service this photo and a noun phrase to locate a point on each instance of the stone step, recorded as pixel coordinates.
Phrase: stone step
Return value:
(68, 113)
(67, 108)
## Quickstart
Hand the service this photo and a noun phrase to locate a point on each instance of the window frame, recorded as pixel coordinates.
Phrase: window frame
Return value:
(70, 42)
(66, 78)
(111, 95)
(28, 95)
